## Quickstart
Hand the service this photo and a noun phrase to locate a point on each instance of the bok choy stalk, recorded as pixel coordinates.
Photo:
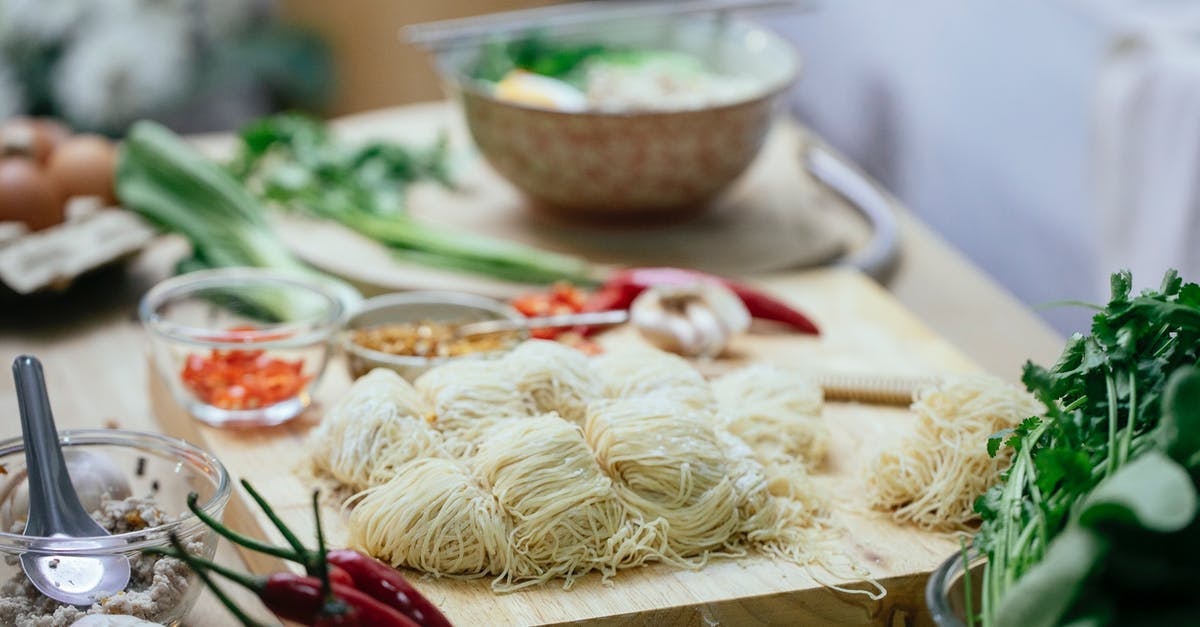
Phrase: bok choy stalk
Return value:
(166, 181)
(291, 161)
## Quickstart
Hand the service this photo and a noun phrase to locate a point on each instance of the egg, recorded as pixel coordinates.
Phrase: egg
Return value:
(32, 137)
(537, 90)
(28, 195)
(84, 165)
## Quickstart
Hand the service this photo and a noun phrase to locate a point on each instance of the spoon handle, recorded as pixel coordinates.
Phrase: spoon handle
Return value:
(53, 503)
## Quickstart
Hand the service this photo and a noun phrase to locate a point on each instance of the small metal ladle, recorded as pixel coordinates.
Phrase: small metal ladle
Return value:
(71, 575)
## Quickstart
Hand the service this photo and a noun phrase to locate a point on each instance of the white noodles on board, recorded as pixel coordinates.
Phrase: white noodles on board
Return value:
(545, 464)
(775, 410)
(644, 371)
(932, 478)
(377, 426)
(551, 376)
(432, 515)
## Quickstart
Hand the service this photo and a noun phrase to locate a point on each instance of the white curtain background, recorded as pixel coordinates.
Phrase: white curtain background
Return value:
(1001, 125)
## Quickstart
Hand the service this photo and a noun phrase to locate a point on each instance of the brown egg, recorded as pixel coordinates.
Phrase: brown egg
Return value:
(28, 195)
(32, 137)
(84, 165)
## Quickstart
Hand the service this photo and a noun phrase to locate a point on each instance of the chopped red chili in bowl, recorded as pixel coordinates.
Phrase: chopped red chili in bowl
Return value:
(242, 379)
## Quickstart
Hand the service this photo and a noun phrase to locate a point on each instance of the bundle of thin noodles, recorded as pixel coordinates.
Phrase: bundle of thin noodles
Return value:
(553, 377)
(665, 462)
(784, 517)
(377, 426)
(643, 371)
(434, 517)
(469, 397)
(563, 508)
(776, 411)
(932, 478)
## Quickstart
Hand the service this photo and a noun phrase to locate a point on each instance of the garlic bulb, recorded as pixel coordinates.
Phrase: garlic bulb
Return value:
(696, 320)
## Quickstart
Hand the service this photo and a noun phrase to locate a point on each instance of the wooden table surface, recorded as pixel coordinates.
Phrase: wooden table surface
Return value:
(93, 347)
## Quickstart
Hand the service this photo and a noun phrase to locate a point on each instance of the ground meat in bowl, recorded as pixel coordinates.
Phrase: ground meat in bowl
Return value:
(156, 584)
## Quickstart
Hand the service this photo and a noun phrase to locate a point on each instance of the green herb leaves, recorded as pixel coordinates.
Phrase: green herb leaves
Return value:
(1107, 466)
(293, 162)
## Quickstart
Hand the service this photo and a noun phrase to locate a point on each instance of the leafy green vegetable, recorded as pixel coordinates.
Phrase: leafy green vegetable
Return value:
(538, 54)
(1110, 458)
(165, 180)
(292, 162)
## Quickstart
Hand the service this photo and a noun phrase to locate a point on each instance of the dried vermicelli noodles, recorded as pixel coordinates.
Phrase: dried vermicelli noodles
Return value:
(545, 464)
(553, 377)
(378, 425)
(563, 508)
(432, 516)
(643, 371)
(665, 462)
(468, 397)
(932, 478)
(775, 410)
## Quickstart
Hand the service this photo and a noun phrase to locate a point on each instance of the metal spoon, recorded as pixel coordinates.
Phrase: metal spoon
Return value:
(616, 316)
(55, 511)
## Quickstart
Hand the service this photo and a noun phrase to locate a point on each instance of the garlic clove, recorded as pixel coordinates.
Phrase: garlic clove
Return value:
(694, 320)
(710, 329)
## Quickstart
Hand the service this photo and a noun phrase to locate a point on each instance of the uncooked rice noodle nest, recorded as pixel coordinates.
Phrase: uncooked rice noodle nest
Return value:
(377, 426)
(432, 516)
(638, 372)
(775, 410)
(932, 478)
(665, 462)
(563, 508)
(468, 397)
(510, 485)
(553, 377)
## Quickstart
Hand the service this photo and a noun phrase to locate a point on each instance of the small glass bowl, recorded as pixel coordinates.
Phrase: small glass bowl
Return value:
(121, 462)
(417, 307)
(241, 347)
(945, 594)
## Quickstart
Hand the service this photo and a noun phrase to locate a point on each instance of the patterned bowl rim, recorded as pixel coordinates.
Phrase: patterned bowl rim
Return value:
(465, 85)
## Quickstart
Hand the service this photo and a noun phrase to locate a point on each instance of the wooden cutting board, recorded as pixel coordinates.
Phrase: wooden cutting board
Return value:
(865, 331)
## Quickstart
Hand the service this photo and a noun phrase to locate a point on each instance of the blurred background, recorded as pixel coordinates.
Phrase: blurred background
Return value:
(1053, 141)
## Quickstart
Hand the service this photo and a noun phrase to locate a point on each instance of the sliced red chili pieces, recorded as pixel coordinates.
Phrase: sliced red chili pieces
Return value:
(235, 379)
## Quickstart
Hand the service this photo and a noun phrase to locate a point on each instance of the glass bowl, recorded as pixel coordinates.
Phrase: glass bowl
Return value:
(945, 593)
(119, 463)
(241, 346)
(417, 307)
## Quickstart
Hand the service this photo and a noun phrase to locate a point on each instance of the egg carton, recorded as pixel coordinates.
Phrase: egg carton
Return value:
(91, 237)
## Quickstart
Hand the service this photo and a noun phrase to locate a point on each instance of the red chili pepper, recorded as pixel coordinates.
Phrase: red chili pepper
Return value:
(302, 599)
(384, 583)
(299, 598)
(623, 286)
(339, 575)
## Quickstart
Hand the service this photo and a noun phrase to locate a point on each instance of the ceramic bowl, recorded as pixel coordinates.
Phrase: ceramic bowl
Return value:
(634, 165)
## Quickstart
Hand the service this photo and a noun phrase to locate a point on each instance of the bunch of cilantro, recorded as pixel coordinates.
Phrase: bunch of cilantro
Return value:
(1095, 522)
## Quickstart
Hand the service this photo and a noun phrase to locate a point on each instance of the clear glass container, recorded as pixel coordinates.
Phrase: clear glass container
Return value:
(449, 307)
(241, 346)
(108, 465)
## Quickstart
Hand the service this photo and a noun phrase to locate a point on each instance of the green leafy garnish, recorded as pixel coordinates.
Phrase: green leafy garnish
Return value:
(1103, 485)
(292, 162)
